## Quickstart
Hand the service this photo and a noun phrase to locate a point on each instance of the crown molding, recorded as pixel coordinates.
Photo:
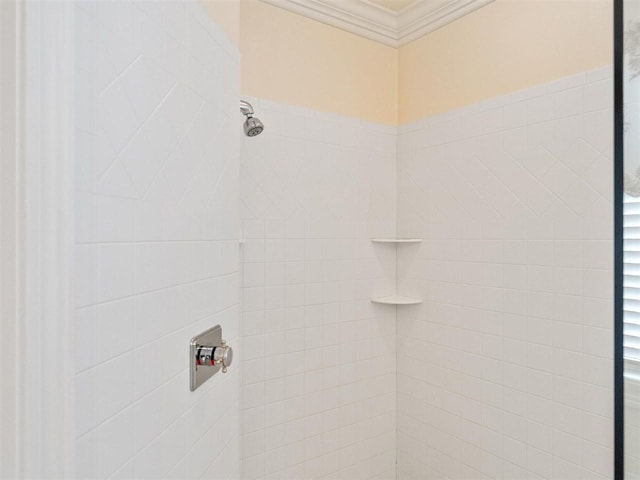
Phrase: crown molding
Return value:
(429, 15)
(381, 24)
(355, 16)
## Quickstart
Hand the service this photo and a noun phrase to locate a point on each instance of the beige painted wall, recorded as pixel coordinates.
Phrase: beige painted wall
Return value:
(292, 59)
(505, 46)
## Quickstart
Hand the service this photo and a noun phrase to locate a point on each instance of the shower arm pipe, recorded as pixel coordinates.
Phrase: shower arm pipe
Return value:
(246, 108)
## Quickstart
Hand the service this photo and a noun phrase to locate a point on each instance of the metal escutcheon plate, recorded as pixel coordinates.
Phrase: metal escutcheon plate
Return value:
(201, 373)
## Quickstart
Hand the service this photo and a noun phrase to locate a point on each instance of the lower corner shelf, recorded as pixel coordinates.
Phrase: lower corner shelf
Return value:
(396, 300)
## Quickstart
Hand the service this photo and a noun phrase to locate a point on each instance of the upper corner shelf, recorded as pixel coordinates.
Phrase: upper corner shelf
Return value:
(396, 300)
(396, 240)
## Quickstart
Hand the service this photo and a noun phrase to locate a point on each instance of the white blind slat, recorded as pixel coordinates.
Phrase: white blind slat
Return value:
(631, 289)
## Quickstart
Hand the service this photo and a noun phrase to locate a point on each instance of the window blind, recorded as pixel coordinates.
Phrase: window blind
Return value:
(631, 295)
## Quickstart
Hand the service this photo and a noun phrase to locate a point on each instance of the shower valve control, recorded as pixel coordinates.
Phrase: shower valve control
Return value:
(215, 355)
(208, 354)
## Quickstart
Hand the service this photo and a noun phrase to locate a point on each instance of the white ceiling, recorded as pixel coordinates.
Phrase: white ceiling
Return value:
(392, 22)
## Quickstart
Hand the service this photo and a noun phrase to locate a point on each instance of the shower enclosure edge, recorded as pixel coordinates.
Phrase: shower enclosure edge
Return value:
(618, 43)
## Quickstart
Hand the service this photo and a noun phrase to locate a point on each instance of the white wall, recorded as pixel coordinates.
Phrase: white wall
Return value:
(506, 371)
(319, 357)
(632, 428)
(156, 239)
(9, 227)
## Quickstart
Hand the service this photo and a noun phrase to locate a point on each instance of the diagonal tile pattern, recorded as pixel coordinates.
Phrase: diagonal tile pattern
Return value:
(156, 239)
(505, 370)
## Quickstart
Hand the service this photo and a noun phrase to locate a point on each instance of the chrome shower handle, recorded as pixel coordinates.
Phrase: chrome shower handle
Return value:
(212, 355)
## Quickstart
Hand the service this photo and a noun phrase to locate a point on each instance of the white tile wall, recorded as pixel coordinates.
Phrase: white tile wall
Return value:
(319, 364)
(505, 372)
(156, 239)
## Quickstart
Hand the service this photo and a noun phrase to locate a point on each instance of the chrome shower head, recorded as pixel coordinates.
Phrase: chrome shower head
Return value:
(252, 126)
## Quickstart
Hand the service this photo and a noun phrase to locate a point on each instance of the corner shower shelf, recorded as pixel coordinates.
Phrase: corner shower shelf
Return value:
(396, 240)
(396, 300)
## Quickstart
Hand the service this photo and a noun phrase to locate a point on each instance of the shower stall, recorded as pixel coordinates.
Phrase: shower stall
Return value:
(272, 239)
